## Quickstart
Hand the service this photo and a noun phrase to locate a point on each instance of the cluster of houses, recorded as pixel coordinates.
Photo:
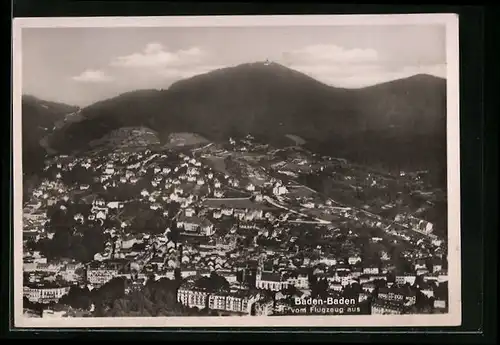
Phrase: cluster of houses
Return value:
(201, 192)
(35, 217)
(395, 295)
(192, 224)
(46, 282)
(419, 225)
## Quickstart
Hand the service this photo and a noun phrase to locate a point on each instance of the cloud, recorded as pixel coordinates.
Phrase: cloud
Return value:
(352, 68)
(361, 75)
(92, 76)
(155, 55)
(328, 53)
(157, 64)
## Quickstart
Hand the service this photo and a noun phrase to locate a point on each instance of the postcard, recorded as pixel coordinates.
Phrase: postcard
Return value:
(236, 171)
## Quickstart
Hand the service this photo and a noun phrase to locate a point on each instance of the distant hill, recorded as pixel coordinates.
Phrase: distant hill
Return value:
(399, 125)
(38, 120)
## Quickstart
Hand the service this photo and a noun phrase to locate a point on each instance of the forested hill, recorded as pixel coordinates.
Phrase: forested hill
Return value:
(398, 125)
(39, 118)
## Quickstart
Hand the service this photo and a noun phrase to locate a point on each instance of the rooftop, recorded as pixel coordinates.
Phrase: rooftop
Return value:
(237, 203)
(388, 304)
(271, 276)
(45, 285)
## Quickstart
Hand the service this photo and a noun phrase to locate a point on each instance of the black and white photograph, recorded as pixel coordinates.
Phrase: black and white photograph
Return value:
(260, 171)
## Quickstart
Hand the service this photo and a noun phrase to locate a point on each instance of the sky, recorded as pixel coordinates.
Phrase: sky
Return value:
(80, 66)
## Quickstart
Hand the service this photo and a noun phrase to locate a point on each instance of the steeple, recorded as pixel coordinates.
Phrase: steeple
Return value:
(260, 265)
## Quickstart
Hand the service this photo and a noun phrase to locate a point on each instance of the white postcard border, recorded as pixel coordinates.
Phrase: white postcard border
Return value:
(452, 318)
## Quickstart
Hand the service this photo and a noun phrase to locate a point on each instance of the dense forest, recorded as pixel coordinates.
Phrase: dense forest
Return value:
(39, 118)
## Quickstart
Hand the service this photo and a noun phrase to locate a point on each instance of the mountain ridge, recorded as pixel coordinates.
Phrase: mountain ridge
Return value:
(39, 118)
(271, 101)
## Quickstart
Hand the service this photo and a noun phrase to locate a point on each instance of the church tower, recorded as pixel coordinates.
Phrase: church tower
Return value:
(260, 264)
(179, 256)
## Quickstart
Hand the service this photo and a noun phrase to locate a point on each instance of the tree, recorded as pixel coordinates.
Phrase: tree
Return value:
(320, 288)
(31, 244)
(311, 277)
(219, 281)
(352, 291)
(211, 283)
(36, 307)
(109, 292)
(99, 310)
(402, 265)
(173, 208)
(151, 279)
(78, 298)
(155, 222)
(66, 244)
(94, 241)
(174, 233)
(80, 253)
(157, 298)
(177, 274)
(120, 308)
(77, 175)
(240, 276)
(291, 291)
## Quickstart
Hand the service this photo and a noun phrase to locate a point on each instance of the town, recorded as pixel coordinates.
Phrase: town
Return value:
(226, 229)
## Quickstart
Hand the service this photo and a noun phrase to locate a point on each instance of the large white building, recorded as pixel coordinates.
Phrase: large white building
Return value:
(99, 273)
(269, 280)
(380, 307)
(195, 225)
(101, 276)
(44, 293)
(236, 301)
(191, 296)
(300, 281)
